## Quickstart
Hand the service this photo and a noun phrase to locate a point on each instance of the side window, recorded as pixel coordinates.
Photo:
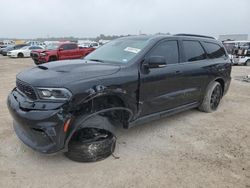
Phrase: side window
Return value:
(167, 49)
(214, 50)
(193, 51)
(72, 46)
(64, 47)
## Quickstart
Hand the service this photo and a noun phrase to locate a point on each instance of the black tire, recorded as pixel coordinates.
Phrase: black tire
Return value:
(212, 98)
(248, 63)
(90, 145)
(20, 55)
(36, 62)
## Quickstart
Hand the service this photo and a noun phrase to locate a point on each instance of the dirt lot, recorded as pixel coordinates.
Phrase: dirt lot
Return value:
(191, 149)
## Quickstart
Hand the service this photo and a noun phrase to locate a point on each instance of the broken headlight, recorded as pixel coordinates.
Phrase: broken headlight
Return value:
(54, 93)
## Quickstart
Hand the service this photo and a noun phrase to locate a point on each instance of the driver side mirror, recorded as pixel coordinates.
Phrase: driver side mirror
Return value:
(155, 62)
(60, 49)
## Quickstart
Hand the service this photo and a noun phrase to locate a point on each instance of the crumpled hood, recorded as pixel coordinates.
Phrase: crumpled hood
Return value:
(60, 73)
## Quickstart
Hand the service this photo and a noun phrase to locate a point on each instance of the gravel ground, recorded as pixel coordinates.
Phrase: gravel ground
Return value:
(191, 149)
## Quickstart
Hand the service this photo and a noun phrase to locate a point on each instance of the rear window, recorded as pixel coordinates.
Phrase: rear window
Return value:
(193, 51)
(214, 50)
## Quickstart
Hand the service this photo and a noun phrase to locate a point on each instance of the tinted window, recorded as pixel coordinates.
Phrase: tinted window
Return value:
(214, 50)
(69, 46)
(119, 51)
(193, 51)
(167, 49)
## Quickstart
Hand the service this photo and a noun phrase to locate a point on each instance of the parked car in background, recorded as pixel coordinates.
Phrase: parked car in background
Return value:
(2, 48)
(12, 47)
(242, 60)
(89, 45)
(59, 51)
(6, 43)
(35, 43)
(23, 52)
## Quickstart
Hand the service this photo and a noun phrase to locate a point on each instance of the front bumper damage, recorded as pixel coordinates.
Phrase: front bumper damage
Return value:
(38, 125)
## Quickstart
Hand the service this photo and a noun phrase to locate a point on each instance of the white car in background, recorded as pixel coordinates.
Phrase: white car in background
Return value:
(243, 60)
(23, 52)
(89, 45)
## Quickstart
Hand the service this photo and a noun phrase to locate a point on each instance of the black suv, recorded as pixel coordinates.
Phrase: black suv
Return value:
(75, 106)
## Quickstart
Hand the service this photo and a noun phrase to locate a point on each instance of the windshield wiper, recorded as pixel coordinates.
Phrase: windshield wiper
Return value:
(97, 60)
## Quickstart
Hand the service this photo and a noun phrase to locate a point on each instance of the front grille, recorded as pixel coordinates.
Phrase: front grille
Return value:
(26, 89)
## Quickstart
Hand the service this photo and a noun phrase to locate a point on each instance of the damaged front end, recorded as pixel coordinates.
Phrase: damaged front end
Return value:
(40, 125)
(48, 126)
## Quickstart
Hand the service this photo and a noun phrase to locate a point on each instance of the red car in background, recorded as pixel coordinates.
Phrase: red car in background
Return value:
(59, 51)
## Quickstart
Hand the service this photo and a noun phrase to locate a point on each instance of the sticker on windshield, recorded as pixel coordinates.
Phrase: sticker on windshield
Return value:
(133, 50)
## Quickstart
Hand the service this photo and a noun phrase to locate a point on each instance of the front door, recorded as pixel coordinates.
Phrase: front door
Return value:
(161, 88)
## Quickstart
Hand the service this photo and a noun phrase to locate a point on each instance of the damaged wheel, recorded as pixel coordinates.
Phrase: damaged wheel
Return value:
(91, 144)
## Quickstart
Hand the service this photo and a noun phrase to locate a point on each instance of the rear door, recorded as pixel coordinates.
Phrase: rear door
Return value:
(65, 52)
(28, 51)
(75, 53)
(195, 70)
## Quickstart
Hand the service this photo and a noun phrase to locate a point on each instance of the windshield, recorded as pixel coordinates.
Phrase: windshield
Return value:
(52, 46)
(118, 51)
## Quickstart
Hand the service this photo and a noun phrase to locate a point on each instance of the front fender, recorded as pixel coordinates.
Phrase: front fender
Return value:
(93, 120)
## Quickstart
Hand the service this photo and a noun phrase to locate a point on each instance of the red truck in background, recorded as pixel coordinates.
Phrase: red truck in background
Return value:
(59, 51)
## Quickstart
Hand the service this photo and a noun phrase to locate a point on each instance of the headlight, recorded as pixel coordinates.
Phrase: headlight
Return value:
(43, 54)
(54, 93)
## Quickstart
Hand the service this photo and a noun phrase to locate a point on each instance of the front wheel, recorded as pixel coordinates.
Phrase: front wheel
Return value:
(91, 144)
(20, 55)
(212, 98)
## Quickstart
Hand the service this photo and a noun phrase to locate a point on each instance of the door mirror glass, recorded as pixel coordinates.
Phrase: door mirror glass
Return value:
(60, 49)
(155, 62)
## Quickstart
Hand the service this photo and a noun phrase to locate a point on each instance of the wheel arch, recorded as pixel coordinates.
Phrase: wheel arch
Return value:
(20, 53)
(222, 83)
(116, 108)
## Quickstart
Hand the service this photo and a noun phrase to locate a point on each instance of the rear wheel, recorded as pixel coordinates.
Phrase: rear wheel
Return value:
(212, 98)
(248, 62)
(20, 55)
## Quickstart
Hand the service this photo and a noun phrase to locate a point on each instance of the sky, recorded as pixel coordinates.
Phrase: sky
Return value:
(90, 18)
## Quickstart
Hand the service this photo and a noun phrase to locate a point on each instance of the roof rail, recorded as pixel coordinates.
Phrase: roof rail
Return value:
(192, 35)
